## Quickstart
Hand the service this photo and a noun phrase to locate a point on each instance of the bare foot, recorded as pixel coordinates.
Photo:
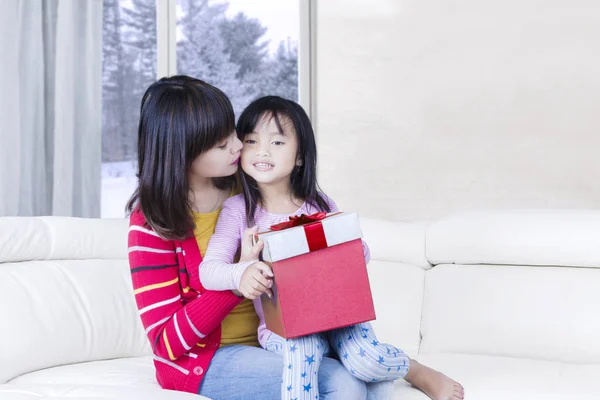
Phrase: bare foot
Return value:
(433, 383)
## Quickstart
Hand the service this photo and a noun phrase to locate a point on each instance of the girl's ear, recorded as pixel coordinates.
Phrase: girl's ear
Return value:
(299, 162)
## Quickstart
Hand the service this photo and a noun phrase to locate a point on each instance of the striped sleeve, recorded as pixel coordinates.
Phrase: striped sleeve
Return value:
(334, 208)
(217, 270)
(172, 328)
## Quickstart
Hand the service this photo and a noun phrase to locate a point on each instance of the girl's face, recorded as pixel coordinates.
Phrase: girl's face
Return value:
(221, 160)
(269, 156)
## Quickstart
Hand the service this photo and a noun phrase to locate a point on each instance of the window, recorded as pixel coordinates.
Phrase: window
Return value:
(246, 48)
(128, 68)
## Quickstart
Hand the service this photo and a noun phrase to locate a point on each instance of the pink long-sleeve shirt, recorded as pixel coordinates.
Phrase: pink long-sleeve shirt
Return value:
(218, 272)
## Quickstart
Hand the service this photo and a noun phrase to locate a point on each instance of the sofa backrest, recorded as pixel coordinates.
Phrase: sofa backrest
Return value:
(65, 294)
(514, 283)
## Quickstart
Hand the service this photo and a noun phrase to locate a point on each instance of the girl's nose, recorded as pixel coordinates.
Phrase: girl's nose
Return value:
(263, 150)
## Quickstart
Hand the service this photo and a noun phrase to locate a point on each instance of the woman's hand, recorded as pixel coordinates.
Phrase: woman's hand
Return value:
(256, 280)
(250, 251)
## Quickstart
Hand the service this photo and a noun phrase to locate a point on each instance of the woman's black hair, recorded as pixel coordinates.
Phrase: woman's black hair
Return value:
(304, 177)
(180, 118)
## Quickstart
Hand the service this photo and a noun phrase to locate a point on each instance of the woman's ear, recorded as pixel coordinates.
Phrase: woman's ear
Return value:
(299, 162)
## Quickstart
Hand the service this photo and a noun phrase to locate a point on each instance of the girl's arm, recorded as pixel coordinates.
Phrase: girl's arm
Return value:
(171, 327)
(217, 270)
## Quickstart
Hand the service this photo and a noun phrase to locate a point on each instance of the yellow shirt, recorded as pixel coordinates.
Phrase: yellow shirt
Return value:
(241, 325)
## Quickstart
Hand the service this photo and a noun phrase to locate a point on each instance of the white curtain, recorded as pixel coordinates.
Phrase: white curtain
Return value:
(50, 107)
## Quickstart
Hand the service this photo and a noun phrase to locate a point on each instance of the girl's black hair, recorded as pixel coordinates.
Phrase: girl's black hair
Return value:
(181, 117)
(304, 177)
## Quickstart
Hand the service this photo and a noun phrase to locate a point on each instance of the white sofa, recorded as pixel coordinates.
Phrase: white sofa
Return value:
(506, 302)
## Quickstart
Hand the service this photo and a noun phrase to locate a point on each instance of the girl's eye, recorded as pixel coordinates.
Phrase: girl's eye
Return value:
(249, 141)
(223, 147)
(278, 143)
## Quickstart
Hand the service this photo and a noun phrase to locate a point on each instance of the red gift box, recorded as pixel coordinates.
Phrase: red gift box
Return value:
(320, 275)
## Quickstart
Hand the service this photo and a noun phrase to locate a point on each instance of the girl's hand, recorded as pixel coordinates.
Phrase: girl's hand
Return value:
(256, 280)
(250, 251)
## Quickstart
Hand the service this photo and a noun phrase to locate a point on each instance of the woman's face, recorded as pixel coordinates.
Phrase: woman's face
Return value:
(222, 160)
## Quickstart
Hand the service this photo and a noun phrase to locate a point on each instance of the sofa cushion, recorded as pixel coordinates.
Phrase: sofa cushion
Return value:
(131, 372)
(544, 313)
(397, 293)
(527, 237)
(92, 392)
(500, 378)
(66, 311)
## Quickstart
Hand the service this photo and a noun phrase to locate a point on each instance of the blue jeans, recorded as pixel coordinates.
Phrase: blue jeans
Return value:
(248, 373)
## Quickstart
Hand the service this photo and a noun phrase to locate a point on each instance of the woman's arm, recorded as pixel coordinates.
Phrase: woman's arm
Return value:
(171, 327)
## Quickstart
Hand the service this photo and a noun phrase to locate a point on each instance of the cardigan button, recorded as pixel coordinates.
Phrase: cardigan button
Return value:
(198, 371)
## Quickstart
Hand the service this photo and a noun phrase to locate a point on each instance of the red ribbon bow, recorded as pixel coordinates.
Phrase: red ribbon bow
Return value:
(299, 220)
(315, 235)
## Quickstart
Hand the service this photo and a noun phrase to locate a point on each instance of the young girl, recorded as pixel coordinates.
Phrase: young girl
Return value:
(279, 180)
(187, 154)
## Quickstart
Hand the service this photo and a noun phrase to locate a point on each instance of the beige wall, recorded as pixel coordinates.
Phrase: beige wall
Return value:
(429, 107)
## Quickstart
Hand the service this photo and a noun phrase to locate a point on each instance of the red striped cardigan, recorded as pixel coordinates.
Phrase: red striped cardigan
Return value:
(182, 319)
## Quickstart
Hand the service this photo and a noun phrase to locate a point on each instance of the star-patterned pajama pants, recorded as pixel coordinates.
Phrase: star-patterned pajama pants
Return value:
(357, 348)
